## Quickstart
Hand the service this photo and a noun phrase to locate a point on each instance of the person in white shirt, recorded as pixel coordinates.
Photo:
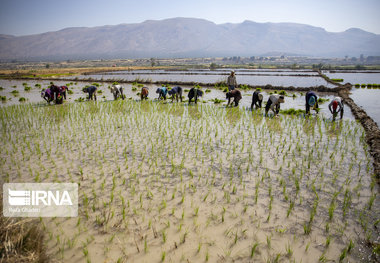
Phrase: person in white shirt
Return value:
(336, 106)
(273, 104)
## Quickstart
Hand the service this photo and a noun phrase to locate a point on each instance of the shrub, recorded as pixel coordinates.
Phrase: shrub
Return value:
(283, 92)
(27, 88)
(208, 90)
(22, 99)
(3, 98)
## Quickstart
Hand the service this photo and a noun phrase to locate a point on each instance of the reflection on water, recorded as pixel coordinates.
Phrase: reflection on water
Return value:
(368, 99)
(285, 78)
(365, 98)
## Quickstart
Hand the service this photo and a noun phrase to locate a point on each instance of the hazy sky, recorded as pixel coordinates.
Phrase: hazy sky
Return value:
(23, 17)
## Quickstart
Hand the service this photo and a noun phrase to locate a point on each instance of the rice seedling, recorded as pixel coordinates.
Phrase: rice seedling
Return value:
(245, 175)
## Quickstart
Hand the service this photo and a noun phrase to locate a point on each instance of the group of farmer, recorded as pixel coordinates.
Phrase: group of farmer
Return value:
(58, 93)
(54, 93)
(275, 100)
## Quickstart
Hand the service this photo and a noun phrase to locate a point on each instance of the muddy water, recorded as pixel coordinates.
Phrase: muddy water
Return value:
(297, 102)
(195, 183)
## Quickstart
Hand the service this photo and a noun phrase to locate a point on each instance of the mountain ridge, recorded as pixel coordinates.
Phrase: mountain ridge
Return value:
(188, 37)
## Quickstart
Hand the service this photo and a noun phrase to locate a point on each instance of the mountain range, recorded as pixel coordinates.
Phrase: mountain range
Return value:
(188, 37)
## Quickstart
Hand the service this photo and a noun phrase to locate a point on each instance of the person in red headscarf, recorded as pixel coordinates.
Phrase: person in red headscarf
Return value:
(336, 106)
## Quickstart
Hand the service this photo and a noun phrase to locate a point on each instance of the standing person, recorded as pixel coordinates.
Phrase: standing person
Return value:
(236, 94)
(333, 107)
(273, 104)
(311, 101)
(257, 99)
(231, 81)
(91, 90)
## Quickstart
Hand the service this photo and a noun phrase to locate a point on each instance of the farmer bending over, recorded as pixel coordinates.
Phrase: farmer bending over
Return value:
(47, 95)
(91, 90)
(274, 104)
(234, 94)
(194, 93)
(117, 91)
(176, 92)
(333, 107)
(162, 92)
(311, 101)
(257, 99)
(144, 93)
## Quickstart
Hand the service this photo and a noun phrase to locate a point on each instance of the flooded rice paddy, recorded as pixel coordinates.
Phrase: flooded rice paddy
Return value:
(173, 182)
(363, 97)
(285, 78)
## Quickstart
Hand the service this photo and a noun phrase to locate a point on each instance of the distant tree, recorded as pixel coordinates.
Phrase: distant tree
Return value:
(213, 66)
(317, 66)
(47, 66)
(152, 62)
(359, 67)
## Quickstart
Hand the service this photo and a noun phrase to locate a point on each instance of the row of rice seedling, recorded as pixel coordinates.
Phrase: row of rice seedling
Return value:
(171, 182)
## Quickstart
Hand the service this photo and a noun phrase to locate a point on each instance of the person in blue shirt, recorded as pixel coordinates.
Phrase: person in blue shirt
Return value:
(162, 92)
(91, 90)
(311, 101)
